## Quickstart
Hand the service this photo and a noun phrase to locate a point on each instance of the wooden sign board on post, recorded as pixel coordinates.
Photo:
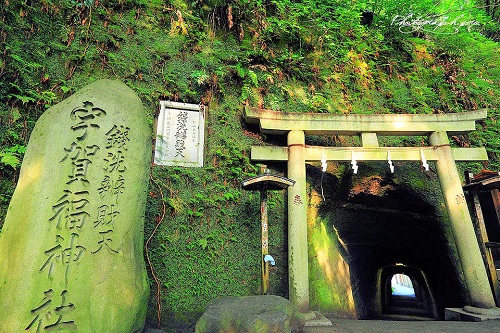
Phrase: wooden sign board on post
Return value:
(180, 134)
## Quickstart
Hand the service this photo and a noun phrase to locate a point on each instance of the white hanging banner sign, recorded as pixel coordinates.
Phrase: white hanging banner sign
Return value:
(180, 134)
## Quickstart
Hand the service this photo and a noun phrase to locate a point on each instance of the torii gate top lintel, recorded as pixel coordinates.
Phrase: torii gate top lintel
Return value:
(275, 122)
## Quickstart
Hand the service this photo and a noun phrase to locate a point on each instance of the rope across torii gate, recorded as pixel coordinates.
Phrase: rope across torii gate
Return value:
(436, 126)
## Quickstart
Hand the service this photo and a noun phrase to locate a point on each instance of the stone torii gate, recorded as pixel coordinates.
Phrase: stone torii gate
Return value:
(436, 126)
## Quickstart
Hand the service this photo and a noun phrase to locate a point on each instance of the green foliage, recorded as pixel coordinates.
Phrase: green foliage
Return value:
(294, 56)
(9, 157)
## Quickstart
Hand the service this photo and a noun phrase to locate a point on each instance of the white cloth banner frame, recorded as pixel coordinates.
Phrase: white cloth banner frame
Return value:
(180, 134)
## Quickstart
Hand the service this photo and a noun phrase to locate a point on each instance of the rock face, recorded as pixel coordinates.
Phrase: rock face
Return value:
(71, 248)
(250, 314)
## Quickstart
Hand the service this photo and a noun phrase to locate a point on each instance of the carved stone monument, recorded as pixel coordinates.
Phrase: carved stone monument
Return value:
(71, 248)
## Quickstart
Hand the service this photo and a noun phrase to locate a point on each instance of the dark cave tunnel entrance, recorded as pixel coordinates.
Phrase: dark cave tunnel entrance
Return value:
(377, 240)
(398, 232)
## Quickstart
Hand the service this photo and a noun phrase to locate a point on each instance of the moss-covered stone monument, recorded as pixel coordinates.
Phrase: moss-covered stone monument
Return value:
(71, 248)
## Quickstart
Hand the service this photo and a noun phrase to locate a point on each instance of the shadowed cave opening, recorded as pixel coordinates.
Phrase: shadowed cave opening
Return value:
(387, 229)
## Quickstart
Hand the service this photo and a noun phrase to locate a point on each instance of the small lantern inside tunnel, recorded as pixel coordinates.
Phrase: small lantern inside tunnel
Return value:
(263, 183)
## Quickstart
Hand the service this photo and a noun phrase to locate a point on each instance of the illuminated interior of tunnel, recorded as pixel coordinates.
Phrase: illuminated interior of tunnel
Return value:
(387, 230)
(404, 293)
(401, 285)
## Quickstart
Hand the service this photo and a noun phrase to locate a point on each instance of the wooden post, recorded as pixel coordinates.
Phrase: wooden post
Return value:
(483, 239)
(495, 196)
(264, 241)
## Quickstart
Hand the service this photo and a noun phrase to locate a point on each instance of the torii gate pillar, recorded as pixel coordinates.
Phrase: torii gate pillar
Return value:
(475, 274)
(298, 270)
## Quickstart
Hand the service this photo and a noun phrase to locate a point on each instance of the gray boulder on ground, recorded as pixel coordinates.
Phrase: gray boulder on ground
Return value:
(251, 314)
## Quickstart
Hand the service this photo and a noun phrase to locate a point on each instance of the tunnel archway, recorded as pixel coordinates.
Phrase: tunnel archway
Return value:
(381, 222)
(392, 305)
